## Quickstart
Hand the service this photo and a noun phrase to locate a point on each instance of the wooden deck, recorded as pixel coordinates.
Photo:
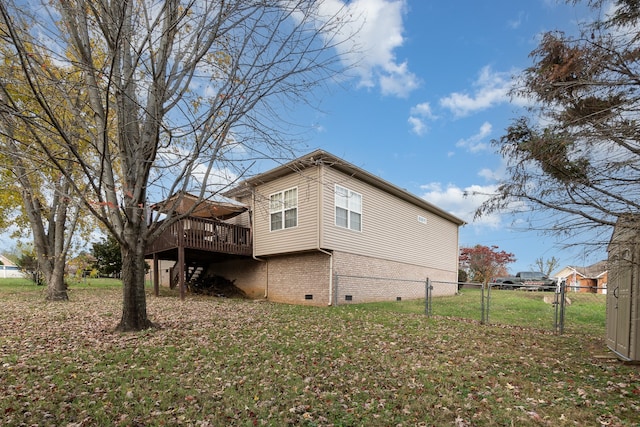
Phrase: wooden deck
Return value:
(203, 235)
(198, 239)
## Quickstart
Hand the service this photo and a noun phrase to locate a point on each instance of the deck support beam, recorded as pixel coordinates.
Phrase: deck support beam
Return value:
(156, 275)
(181, 260)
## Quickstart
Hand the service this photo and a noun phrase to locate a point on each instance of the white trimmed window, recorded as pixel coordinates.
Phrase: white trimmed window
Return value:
(283, 209)
(348, 209)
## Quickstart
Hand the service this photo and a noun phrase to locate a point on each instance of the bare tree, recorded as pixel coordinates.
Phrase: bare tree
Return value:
(546, 266)
(176, 93)
(575, 156)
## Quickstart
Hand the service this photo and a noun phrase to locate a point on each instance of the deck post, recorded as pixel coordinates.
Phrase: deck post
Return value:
(156, 275)
(198, 234)
(181, 283)
(181, 260)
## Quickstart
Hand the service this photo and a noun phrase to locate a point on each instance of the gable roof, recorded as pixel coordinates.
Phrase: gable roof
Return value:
(6, 261)
(593, 271)
(319, 157)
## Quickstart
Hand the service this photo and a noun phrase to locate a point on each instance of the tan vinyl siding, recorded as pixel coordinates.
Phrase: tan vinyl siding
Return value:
(302, 237)
(390, 227)
(242, 220)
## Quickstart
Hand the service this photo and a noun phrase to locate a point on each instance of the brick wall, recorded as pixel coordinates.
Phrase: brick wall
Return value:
(300, 278)
(305, 278)
(408, 281)
(294, 279)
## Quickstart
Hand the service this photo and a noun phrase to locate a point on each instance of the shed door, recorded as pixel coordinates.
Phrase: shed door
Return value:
(619, 306)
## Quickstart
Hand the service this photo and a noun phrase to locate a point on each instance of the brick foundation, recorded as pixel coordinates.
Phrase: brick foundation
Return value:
(305, 278)
(403, 281)
(299, 279)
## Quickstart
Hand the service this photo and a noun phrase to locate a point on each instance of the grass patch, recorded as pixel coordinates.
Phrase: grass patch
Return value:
(232, 362)
(17, 285)
(27, 285)
(586, 313)
(108, 283)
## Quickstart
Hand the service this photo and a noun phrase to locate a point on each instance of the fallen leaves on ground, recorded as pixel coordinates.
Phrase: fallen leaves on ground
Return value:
(215, 361)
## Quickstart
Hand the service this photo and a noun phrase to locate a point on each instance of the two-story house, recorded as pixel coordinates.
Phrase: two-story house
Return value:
(324, 231)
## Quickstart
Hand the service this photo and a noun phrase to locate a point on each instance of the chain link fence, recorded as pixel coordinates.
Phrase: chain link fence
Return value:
(572, 308)
(579, 306)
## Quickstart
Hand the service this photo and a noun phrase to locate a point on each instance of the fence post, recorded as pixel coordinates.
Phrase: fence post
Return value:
(482, 304)
(335, 288)
(559, 302)
(427, 299)
(563, 299)
(486, 320)
(556, 307)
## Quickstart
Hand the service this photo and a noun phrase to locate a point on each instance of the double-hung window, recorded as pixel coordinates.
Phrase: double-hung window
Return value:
(283, 209)
(348, 209)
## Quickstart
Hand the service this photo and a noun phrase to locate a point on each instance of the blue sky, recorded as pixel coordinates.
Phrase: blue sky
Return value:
(428, 96)
(431, 94)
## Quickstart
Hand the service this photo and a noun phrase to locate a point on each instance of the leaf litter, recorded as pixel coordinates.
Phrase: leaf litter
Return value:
(214, 361)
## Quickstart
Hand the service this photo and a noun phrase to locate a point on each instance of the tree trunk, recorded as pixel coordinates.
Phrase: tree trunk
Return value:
(54, 278)
(134, 306)
(134, 108)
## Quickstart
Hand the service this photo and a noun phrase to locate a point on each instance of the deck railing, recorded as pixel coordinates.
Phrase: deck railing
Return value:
(204, 234)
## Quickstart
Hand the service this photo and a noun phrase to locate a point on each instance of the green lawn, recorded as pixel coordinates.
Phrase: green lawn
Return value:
(26, 285)
(584, 313)
(212, 362)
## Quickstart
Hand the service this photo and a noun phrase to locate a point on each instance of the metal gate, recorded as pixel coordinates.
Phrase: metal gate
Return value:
(562, 305)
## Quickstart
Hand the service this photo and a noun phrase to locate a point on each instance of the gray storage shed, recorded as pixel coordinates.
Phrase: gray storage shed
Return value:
(623, 295)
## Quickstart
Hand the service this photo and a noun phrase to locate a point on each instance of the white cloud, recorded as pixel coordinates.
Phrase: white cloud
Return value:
(398, 81)
(374, 32)
(490, 89)
(423, 110)
(217, 179)
(476, 142)
(462, 202)
(416, 119)
(417, 125)
(514, 24)
(491, 175)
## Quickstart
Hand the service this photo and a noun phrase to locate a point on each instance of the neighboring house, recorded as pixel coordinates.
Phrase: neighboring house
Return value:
(590, 279)
(6, 261)
(319, 230)
(8, 269)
